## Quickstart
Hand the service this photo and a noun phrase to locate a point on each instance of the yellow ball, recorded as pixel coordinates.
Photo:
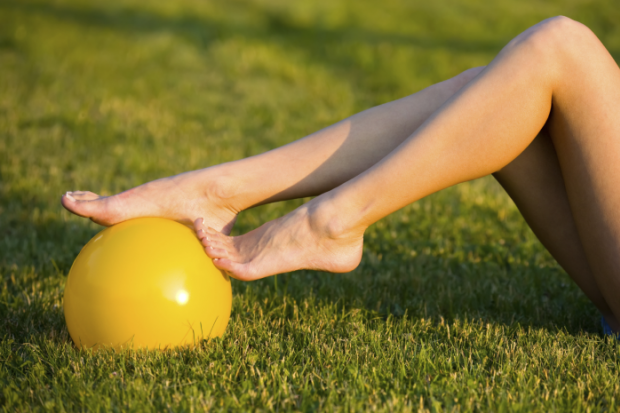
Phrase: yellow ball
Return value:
(145, 283)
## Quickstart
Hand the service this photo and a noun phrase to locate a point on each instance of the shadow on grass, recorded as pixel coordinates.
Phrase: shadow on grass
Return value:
(474, 280)
(438, 288)
(388, 284)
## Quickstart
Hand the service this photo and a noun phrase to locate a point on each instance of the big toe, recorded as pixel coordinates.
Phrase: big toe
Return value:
(83, 195)
(88, 205)
(239, 271)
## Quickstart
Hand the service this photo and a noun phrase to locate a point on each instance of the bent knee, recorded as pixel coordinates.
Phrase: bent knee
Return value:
(561, 37)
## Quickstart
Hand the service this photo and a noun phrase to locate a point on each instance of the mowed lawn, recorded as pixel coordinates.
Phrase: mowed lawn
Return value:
(455, 307)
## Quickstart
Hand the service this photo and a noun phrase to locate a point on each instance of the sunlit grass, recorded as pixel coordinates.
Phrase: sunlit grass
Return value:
(456, 305)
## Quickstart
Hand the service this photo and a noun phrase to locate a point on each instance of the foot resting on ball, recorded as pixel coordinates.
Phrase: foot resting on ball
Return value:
(182, 198)
(307, 238)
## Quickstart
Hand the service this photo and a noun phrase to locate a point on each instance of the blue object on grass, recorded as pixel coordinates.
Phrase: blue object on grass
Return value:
(607, 329)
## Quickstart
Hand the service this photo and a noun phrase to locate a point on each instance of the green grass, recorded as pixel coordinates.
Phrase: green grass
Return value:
(456, 306)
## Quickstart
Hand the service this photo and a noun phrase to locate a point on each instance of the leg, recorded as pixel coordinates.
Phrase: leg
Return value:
(534, 182)
(307, 167)
(485, 126)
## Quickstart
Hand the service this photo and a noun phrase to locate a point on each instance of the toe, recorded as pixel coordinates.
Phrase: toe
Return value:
(222, 264)
(201, 234)
(217, 236)
(208, 240)
(77, 206)
(210, 243)
(98, 209)
(216, 252)
(71, 203)
(234, 269)
(84, 195)
(199, 226)
(207, 234)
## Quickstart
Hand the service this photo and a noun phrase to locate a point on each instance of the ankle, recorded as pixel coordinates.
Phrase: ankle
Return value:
(329, 221)
(223, 189)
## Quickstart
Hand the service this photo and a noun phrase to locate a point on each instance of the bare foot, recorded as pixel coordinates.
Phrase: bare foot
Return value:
(183, 198)
(303, 239)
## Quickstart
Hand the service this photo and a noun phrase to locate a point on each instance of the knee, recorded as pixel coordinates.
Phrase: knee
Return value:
(560, 37)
